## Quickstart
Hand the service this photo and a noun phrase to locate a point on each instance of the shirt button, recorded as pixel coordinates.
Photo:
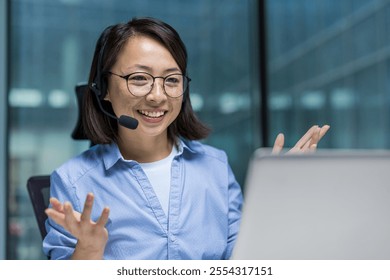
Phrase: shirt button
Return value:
(173, 238)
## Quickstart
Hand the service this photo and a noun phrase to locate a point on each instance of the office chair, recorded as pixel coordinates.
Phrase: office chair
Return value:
(39, 191)
(78, 131)
(39, 186)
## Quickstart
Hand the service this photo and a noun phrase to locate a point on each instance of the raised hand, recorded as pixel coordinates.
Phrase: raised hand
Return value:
(91, 236)
(308, 142)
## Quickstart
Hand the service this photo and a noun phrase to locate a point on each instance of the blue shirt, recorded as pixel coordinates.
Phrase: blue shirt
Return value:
(204, 205)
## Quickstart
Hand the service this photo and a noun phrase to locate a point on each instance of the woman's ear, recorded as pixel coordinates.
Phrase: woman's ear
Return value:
(107, 97)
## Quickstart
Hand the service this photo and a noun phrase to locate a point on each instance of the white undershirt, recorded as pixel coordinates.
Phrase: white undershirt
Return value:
(159, 175)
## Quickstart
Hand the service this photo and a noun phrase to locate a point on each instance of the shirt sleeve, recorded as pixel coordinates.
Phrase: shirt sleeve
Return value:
(58, 243)
(234, 216)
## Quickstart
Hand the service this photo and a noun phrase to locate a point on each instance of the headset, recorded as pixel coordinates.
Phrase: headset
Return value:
(99, 88)
(98, 85)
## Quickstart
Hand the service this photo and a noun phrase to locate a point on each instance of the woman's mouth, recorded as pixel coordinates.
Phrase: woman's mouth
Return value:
(152, 114)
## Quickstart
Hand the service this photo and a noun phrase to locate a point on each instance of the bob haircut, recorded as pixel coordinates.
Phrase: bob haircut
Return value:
(102, 129)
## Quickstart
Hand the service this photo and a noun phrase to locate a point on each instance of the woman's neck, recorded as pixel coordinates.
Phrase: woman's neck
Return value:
(146, 149)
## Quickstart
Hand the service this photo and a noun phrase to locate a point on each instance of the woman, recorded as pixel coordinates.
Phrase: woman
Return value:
(169, 196)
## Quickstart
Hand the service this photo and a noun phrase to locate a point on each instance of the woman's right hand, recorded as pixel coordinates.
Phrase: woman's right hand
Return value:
(91, 236)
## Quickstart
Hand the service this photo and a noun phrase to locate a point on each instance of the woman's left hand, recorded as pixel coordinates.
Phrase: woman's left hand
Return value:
(308, 142)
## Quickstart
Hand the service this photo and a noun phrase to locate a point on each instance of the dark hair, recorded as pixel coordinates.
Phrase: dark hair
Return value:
(100, 128)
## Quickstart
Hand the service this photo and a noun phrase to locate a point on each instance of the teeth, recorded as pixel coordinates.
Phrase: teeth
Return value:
(154, 114)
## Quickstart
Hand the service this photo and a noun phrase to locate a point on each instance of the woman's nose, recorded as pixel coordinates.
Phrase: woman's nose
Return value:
(157, 93)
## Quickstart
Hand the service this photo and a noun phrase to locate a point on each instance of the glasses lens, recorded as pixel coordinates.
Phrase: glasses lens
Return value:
(175, 85)
(140, 84)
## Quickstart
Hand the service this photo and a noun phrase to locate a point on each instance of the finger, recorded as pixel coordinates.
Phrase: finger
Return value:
(317, 136)
(103, 217)
(313, 147)
(314, 138)
(278, 144)
(308, 143)
(86, 214)
(306, 137)
(324, 129)
(70, 220)
(56, 204)
(56, 216)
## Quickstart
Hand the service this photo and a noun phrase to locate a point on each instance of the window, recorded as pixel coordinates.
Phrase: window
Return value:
(329, 63)
(3, 124)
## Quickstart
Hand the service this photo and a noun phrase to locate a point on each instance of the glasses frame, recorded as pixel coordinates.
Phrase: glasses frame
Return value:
(126, 77)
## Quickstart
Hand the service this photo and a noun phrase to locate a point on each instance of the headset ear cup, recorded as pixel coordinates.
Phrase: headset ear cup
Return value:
(94, 88)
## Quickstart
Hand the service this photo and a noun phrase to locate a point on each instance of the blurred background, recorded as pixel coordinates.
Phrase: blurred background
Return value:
(257, 68)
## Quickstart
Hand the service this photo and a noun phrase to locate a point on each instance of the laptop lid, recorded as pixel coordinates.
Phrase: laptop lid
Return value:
(327, 205)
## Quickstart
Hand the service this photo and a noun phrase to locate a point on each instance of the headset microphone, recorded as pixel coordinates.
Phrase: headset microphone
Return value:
(123, 120)
(128, 122)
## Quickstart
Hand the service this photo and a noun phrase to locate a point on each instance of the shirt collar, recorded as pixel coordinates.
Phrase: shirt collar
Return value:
(193, 147)
(111, 153)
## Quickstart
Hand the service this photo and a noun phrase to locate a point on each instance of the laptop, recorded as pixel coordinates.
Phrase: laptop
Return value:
(329, 205)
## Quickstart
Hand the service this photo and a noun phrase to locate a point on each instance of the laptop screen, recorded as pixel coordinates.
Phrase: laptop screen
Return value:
(327, 205)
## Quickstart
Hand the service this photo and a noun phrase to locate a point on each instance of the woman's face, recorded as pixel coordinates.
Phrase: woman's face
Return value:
(155, 111)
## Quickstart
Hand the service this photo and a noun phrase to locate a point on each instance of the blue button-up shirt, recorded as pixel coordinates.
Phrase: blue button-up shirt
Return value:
(204, 205)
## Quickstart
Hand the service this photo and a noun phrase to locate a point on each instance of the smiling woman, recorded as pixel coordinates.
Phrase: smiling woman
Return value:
(145, 175)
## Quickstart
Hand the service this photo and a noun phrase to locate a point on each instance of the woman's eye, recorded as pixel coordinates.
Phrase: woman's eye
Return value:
(172, 81)
(137, 78)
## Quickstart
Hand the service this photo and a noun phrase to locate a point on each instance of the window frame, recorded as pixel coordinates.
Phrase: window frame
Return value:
(4, 4)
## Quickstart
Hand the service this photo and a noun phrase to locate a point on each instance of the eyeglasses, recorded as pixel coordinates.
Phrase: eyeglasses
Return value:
(140, 83)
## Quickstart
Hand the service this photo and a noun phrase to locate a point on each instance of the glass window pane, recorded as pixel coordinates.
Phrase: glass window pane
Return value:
(335, 71)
